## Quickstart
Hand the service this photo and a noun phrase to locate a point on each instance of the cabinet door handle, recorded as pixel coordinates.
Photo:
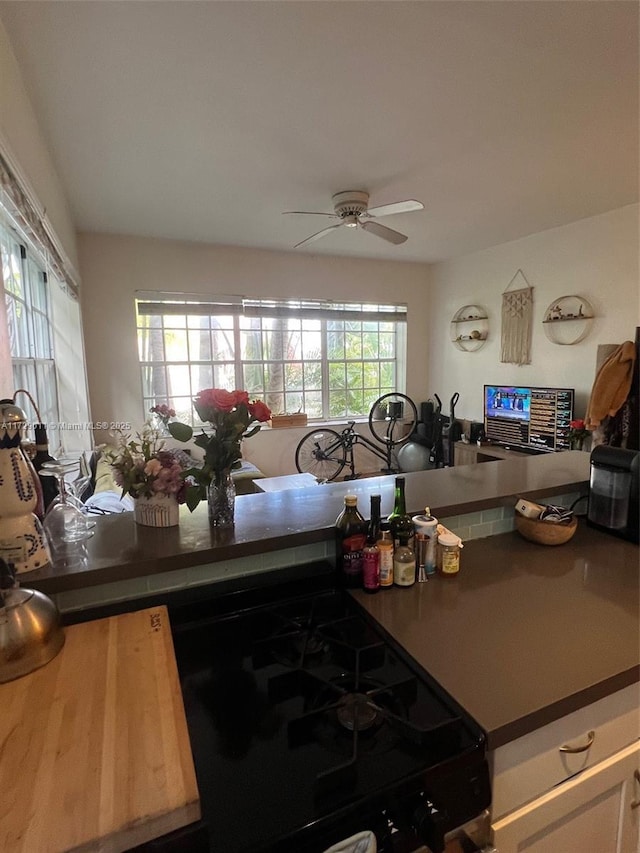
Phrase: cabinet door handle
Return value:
(573, 749)
(636, 803)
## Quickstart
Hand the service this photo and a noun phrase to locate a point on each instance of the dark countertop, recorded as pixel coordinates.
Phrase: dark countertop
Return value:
(121, 549)
(526, 633)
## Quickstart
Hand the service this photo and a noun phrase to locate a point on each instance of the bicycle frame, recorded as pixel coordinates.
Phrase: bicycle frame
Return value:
(349, 438)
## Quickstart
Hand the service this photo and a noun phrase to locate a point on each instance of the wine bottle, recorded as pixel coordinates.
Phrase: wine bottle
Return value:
(351, 534)
(400, 521)
(371, 552)
(49, 484)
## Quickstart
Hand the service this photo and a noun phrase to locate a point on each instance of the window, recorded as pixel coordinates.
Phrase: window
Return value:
(331, 360)
(30, 336)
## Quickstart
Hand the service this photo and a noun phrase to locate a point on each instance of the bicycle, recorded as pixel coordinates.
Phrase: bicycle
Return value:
(324, 452)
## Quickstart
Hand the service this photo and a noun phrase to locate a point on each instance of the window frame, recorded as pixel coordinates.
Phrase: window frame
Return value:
(236, 310)
(33, 369)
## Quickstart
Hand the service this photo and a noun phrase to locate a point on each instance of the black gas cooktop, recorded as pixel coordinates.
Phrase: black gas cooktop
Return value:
(307, 725)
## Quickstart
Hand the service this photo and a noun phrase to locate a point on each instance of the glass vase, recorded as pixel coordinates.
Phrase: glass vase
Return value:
(221, 498)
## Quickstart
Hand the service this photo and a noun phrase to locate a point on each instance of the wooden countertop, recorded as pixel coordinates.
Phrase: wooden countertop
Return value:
(526, 633)
(95, 747)
(120, 549)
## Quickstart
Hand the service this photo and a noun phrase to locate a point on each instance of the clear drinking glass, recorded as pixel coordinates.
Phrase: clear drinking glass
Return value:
(64, 520)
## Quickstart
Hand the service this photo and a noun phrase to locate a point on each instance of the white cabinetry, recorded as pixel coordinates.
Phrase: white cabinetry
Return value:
(571, 786)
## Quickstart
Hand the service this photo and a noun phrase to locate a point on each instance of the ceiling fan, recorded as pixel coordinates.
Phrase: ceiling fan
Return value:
(352, 209)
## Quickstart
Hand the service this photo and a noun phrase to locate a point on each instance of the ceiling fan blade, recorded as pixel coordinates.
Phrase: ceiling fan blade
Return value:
(318, 235)
(309, 213)
(397, 207)
(387, 234)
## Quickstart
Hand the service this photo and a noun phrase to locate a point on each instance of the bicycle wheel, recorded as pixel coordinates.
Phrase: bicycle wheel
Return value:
(321, 453)
(392, 419)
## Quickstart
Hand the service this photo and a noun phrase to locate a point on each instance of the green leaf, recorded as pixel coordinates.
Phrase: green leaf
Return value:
(193, 496)
(181, 432)
(202, 441)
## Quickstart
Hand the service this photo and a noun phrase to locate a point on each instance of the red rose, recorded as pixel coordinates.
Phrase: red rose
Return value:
(211, 399)
(242, 398)
(577, 424)
(259, 411)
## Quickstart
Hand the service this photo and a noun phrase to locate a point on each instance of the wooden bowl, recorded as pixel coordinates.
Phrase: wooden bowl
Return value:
(545, 532)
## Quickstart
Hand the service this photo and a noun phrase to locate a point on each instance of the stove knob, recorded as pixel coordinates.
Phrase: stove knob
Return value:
(428, 824)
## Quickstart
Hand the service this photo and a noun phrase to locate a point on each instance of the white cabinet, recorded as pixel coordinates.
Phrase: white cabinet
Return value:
(591, 813)
(572, 786)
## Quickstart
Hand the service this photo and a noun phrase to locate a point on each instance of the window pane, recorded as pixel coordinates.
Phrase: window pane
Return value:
(293, 402)
(251, 344)
(253, 380)
(174, 321)
(224, 376)
(46, 394)
(313, 404)
(41, 336)
(175, 343)
(201, 377)
(337, 404)
(38, 287)
(154, 383)
(335, 344)
(336, 375)
(222, 345)
(371, 375)
(311, 344)
(18, 332)
(353, 345)
(199, 345)
(12, 270)
(355, 403)
(312, 375)
(293, 376)
(354, 375)
(387, 377)
(178, 379)
(387, 345)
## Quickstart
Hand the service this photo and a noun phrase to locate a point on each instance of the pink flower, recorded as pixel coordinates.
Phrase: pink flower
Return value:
(152, 467)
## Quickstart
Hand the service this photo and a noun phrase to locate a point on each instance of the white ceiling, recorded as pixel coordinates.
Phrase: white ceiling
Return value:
(205, 120)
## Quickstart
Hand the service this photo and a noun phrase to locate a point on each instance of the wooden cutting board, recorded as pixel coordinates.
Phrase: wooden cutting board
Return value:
(94, 747)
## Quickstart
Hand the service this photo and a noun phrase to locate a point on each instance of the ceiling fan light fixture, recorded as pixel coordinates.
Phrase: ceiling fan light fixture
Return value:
(351, 207)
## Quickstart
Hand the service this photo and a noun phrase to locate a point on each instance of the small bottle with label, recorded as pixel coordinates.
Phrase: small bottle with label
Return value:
(385, 549)
(450, 545)
(404, 564)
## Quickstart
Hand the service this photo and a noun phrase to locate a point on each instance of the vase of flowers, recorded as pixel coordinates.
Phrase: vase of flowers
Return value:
(577, 434)
(232, 417)
(153, 476)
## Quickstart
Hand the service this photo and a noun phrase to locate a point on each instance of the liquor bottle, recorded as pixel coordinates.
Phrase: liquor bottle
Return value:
(385, 547)
(371, 552)
(400, 521)
(49, 484)
(351, 534)
(404, 563)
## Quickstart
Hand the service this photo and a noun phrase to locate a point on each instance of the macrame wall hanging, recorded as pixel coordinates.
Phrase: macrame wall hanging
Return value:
(517, 316)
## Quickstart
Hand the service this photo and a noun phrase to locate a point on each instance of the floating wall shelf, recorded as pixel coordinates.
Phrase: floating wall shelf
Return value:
(568, 319)
(469, 327)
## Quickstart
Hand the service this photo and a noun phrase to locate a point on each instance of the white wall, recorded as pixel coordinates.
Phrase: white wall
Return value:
(596, 258)
(22, 140)
(114, 267)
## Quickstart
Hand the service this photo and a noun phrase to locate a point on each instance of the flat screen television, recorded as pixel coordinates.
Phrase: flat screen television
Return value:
(532, 419)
